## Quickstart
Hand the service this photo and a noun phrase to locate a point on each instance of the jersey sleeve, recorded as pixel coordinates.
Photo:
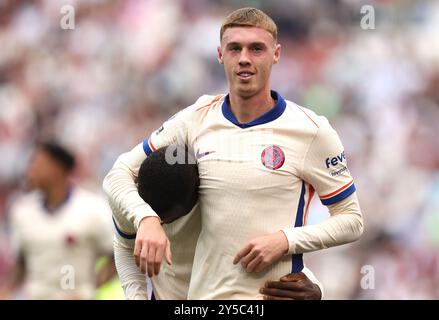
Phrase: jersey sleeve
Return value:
(119, 184)
(120, 187)
(173, 131)
(325, 166)
(133, 282)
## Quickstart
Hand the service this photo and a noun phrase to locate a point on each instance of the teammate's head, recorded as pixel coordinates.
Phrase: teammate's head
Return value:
(248, 51)
(171, 189)
(50, 163)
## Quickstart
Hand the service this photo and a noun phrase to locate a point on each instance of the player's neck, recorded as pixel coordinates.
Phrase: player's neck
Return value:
(56, 194)
(248, 109)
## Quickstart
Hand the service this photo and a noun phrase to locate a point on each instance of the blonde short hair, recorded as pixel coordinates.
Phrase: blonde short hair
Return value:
(249, 17)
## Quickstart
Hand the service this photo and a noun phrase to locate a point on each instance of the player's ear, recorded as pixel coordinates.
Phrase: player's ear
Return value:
(276, 53)
(220, 55)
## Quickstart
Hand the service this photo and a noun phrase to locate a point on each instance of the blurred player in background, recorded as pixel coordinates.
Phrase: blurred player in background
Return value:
(261, 159)
(59, 230)
(171, 188)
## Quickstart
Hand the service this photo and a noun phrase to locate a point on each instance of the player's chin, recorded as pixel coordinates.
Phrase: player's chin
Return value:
(246, 90)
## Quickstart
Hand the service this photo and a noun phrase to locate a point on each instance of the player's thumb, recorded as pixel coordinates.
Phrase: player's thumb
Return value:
(292, 277)
(168, 253)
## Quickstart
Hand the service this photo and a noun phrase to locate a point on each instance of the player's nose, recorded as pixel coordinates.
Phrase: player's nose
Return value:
(244, 58)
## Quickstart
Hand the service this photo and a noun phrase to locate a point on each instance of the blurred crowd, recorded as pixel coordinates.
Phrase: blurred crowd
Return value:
(129, 65)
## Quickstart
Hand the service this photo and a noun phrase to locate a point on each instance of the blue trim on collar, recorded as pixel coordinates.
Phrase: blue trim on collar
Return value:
(270, 115)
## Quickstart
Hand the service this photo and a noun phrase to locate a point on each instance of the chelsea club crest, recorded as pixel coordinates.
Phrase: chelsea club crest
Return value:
(273, 157)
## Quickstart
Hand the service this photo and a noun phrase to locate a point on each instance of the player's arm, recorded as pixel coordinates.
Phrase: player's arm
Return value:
(132, 280)
(151, 243)
(325, 169)
(345, 225)
(119, 185)
(335, 186)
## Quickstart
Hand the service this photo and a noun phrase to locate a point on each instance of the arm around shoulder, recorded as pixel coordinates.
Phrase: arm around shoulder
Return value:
(120, 186)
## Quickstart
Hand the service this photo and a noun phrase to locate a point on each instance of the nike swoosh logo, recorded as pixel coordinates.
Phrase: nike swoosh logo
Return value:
(200, 155)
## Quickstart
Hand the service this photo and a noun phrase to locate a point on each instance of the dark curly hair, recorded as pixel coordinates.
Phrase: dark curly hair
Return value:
(169, 187)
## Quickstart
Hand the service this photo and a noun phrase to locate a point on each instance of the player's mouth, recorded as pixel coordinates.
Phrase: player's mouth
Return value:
(244, 75)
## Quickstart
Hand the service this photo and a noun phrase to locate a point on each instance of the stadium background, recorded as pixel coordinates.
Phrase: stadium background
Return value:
(129, 65)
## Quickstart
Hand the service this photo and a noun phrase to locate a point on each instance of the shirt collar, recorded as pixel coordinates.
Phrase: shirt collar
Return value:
(269, 116)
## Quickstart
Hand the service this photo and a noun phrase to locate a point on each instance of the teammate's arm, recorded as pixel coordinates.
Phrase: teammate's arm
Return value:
(132, 280)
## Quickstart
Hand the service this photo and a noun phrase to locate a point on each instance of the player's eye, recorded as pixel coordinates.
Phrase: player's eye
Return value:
(234, 48)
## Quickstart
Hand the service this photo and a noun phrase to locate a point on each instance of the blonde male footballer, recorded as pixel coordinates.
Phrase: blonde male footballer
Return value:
(261, 158)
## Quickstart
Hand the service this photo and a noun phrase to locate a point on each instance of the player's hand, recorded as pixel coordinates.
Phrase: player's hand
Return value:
(151, 245)
(294, 286)
(263, 251)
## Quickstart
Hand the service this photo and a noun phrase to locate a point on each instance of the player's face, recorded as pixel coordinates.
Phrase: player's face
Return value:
(248, 54)
(42, 170)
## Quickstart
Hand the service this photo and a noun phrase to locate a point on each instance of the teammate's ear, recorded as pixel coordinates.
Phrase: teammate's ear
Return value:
(276, 53)
(220, 55)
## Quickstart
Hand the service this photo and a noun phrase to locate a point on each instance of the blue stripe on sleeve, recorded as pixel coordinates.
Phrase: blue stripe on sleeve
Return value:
(341, 196)
(146, 147)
